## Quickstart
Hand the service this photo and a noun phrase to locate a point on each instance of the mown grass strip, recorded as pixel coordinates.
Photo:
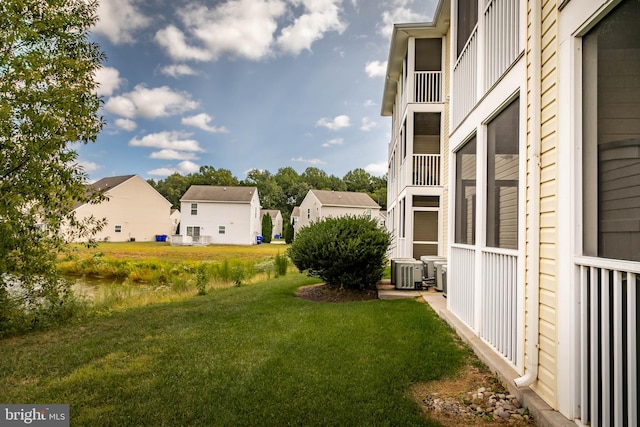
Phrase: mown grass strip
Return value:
(251, 355)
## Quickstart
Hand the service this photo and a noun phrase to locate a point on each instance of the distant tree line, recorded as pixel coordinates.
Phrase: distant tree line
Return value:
(282, 190)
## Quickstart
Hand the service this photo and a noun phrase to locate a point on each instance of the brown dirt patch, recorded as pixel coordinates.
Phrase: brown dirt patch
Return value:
(326, 293)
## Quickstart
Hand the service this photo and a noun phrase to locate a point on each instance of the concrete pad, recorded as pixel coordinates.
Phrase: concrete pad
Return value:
(396, 294)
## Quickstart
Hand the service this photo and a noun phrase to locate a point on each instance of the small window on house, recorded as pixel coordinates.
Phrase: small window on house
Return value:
(194, 209)
(189, 231)
(367, 213)
(309, 213)
(118, 229)
(222, 229)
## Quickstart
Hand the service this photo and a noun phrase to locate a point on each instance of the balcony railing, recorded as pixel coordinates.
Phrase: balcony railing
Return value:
(502, 45)
(426, 169)
(608, 332)
(465, 79)
(427, 86)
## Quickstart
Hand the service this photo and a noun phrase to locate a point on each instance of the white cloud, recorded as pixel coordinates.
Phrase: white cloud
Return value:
(201, 121)
(119, 20)
(401, 13)
(183, 168)
(376, 168)
(174, 42)
(376, 68)
(177, 70)
(167, 140)
(369, 103)
(320, 17)
(88, 166)
(162, 171)
(250, 28)
(308, 161)
(168, 154)
(367, 124)
(126, 124)
(150, 103)
(108, 81)
(335, 141)
(339, 122)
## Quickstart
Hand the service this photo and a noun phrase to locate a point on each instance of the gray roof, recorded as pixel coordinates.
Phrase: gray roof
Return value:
(296, 211)
(106, 184)
(345, 198)
(273, 213)
(210, 193)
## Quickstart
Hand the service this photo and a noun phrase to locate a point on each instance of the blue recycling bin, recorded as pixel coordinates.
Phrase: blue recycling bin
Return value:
(259, 240)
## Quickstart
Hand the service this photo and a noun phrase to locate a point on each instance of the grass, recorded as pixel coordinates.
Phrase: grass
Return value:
(241, 356)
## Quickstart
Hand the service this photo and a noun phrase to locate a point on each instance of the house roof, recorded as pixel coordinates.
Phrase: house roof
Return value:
(210, 193)
(295, 211)
(273, 213)
(345, 198)
(399, 44)
(102, 185)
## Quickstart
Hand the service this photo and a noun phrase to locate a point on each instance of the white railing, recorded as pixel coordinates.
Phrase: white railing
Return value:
(502, 38)
(608, 360)
(427, 86)
(402, 176)
(461, 284)
(465, 74)
(499, 314)
(180, 240)
(426, 169)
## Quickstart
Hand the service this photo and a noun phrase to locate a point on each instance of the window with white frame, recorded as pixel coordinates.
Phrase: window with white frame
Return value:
(193, 231)
(194, 209)
(222, 229)
(502, 178)
(466, 191)
(611, 135)
(118, 229)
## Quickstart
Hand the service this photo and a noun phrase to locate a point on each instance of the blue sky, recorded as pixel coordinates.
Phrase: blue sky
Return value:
(244, 84)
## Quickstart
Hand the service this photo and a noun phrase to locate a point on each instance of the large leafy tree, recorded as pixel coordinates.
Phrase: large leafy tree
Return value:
(47, 103)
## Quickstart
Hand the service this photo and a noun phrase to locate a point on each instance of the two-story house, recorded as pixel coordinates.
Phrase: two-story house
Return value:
(319, 204)
(219, 215)
(541, 128)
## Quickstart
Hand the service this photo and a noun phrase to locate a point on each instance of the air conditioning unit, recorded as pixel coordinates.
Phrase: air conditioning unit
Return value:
(444, 281)
(410, 274)
(429, 268)
(395, 271)
(440, 280)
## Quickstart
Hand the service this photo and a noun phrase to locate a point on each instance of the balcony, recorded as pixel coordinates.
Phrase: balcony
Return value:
(427, 86)
(426, 169)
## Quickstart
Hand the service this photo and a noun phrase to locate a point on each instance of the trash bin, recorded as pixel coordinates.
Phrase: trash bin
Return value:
(259, 240)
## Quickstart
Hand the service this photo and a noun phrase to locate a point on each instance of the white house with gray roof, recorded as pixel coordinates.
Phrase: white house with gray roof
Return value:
(320, 204)
(219, 215)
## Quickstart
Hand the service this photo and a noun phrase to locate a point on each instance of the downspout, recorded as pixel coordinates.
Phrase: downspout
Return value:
(533, 285)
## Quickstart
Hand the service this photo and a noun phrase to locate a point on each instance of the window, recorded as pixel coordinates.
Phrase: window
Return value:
(465, 202)
(194, 209)
(118, 229)
(367, 213)
(403, 210)
(467, 20)
(611, 132)
(309, 213)
(502, 178)
(193, 231)
(221, 229)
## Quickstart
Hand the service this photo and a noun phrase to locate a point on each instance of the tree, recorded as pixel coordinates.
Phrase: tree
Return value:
(267, 228)
(208, 175)
(47, 101)
(172, 188)
(288, 232)
(268, 189)
(358, 180)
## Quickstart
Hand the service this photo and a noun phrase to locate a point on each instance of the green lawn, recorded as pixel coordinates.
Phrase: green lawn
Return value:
(243, 356)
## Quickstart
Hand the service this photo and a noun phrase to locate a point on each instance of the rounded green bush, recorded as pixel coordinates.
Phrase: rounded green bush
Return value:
(349, 252)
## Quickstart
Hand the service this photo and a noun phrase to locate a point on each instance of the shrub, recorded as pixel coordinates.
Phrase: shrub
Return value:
(349, 252)
(281, 263)
(267, 228)
(288, 232)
